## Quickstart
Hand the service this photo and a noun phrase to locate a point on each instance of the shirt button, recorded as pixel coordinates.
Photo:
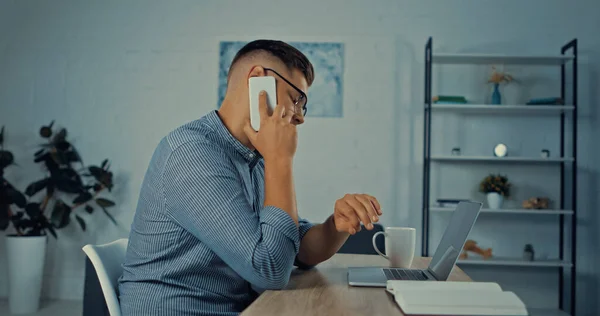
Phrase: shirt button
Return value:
(251, 155)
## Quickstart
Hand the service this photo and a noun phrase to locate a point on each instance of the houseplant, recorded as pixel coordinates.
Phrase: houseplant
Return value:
(497, 78)
(33, 219)
(496, 188)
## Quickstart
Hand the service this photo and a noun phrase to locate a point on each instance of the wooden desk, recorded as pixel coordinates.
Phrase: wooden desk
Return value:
(325, 291)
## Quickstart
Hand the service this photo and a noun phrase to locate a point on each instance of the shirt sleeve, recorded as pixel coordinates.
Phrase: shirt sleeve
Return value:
(303, 227)
(204, 194)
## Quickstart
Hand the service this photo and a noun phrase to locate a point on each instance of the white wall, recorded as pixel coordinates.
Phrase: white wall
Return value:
(121, 74)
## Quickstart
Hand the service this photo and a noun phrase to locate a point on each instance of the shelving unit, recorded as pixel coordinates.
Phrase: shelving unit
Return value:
(567, 159)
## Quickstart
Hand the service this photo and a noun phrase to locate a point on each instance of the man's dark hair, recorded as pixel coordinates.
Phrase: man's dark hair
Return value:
(289, 55)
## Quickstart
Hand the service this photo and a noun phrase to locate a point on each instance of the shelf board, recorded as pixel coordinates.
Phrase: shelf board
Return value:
(443, 58)
(501, 159)
(517, 109)
(514, 262)
(510, 211)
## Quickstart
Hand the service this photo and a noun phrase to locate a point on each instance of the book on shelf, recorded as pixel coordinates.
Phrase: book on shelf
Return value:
(546, 101)
(449, 99)
(449, 202)
(454, 298)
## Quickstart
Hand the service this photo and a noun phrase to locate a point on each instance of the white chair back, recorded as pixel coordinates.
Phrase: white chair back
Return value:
(107, 260)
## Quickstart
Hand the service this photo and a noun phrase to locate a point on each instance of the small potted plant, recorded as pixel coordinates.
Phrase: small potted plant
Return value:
(496, 188)
(497, 78)
(33, 219)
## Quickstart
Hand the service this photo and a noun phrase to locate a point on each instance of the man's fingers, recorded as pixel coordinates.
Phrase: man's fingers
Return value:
(375, 203)
(361, 212)
(288, 116)
(250, 132)
(279, 111)
(369, 206)
(262, 105)
(353, 220)
(342, 223)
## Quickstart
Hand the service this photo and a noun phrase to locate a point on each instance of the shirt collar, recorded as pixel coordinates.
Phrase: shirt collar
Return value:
(223, 133)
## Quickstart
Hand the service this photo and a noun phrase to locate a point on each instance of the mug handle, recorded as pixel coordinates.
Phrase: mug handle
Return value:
(375, 245)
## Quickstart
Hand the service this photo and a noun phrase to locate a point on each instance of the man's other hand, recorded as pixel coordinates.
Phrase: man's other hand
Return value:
(353, 209)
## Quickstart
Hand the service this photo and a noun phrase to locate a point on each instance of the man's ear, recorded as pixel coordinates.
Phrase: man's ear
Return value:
(257, 71)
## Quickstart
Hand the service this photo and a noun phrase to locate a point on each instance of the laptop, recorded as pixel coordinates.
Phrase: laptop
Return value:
(444, 258)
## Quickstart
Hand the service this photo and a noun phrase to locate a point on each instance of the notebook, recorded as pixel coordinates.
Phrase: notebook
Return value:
(454, 298)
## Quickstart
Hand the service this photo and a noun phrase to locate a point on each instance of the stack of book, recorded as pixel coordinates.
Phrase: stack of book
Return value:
(449, 202)
(546, 101)
(449, 99)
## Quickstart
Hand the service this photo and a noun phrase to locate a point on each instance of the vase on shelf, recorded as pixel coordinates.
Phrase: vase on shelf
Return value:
(494, 200)
(496, 98)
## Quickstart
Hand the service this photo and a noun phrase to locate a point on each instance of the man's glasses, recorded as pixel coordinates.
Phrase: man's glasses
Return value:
(300, 102)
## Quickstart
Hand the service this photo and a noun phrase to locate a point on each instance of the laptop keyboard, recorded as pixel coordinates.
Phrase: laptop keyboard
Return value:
(404, 274)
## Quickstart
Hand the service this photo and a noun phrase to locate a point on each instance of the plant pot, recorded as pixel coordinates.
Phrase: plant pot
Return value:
(495, 200)
(26, 256)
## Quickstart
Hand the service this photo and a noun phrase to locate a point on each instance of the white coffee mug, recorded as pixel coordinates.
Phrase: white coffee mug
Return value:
(399, 245)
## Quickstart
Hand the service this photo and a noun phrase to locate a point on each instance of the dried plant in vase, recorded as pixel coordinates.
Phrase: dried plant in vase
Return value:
(498, 78)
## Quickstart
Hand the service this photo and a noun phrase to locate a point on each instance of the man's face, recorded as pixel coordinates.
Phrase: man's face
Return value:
(289, 96)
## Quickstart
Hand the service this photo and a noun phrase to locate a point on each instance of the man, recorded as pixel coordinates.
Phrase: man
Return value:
(216, 221)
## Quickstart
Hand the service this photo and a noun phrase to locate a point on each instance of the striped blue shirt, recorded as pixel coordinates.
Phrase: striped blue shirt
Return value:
(201, 241)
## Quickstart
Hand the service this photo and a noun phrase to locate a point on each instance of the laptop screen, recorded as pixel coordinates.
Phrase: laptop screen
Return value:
(454, 238)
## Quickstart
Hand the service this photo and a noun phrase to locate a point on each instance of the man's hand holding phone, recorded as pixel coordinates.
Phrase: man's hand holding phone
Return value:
(277, 138)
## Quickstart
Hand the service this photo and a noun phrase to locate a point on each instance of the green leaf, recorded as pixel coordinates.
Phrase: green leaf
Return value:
(4, 219)
(89, 209)
(68, 186)
(33, 210)
(80, 221)
(14, 196)
(63, 145)
(60, 214)
(60, 136)
(6, 158)
(24, 223)
(72, 156)
(110, 216)
(45, 132)
(2, 136)
(67, 180)
(83, 198)
(96, 172)
(42, 157)
(104, 202)
(50, 189)
(36, 187)
(39, 152)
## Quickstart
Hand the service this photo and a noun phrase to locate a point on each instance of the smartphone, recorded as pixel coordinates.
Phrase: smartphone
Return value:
(257, 84)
